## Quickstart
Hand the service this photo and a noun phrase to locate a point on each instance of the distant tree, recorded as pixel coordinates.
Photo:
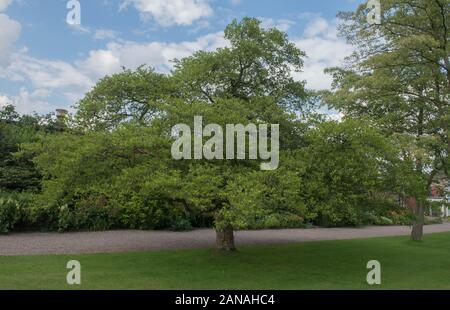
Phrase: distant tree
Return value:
(400, 76)
(17, 173)
(348, 165)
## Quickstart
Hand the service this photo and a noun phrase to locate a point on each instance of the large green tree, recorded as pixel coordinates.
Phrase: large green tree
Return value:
(399, 75)
(249, 81)
(351, 172)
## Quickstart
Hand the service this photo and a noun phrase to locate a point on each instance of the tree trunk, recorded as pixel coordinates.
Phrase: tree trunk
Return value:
(419, 220)
(225, 239)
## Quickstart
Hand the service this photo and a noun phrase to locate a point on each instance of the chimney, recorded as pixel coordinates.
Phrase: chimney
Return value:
(61, 113)
(61, 116)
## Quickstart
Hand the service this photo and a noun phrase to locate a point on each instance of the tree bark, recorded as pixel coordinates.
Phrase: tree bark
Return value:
(419, 221)
(225, 239)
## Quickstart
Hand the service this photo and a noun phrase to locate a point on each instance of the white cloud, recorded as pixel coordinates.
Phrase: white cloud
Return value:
(79, 29)
(49, 79)
(280, 24)
(47, 73)
(10, 32)
(320, 27)
(104, 34)
(26, 102)
(173, 12)
(41, 93)
(100, 63)
(4, 100)
(155, 54)
(4, 4)
(72, 81)
(324, 49)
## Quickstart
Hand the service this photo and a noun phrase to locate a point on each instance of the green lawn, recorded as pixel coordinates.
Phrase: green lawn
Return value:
(314, 265)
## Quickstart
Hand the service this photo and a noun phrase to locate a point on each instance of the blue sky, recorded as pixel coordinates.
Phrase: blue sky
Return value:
(46, 63)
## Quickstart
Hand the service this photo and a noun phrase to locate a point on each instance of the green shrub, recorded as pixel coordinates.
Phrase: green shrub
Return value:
(10, 214)
(101, 214)
(154, 214)
(400, 217)
(14, 208)
(368, 218)
(93, 218)
(433, 220)
(42, 217)
(339, 212)
(384, 221)
(373, 211)
(181, 224)
(275, 221)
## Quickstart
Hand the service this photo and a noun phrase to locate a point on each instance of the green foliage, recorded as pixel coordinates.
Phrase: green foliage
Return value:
(13, 210)
(257, 64)
(101, 180)
(433, 221)
(154, 215)
(42, 217)
(130, 95)
(347, 165)
(264, 197)
(17, 173)
(9, 214)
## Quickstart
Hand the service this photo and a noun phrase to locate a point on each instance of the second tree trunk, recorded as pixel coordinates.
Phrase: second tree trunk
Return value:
(419, 221)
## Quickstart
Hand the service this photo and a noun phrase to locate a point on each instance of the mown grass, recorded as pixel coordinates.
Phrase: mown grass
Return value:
(313, 265)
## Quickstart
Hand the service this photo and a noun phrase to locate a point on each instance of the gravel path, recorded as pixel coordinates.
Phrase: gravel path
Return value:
(127, 241)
